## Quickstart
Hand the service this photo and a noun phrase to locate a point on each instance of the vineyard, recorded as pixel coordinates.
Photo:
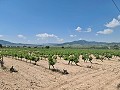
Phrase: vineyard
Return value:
(58, 68)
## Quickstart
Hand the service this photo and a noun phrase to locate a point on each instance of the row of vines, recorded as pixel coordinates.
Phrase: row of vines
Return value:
(51, 54)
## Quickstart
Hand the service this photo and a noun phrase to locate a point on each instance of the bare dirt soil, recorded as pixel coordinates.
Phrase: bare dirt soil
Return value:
(102, 76)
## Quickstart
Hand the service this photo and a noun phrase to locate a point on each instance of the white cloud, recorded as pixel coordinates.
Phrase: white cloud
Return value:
(105, 31)
(48, 36)
(21, 36)
(73, 36)
(1, 36)
(119, 17)
(60, 40)
(89, 30)
(78, 29)
(45, 35)
(113, 23)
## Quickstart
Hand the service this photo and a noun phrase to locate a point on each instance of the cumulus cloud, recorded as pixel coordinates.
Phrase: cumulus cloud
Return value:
(105, 31)
(45, 35)
(89, 30)
(78, 29)
(48, 36)
(73, 36)
(1, 36)
(113, 23)
(21, 36)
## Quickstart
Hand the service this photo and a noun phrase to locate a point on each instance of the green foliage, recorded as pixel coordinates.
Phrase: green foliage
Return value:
(54, 57)
(47, 47)
(97, 56)
(66, 57)
(108, 55)
(73, 58)
(60, 55)
(68, 54)
(35, 59)
(87, 57)
(27, 57)
(52, 61)
(1, 46)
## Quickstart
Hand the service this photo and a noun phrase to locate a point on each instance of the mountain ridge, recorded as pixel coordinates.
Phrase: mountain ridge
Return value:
(8, 43)
(88, 43)
(73, 43)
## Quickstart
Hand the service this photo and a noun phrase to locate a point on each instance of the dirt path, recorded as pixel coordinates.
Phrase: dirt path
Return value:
(102, 76)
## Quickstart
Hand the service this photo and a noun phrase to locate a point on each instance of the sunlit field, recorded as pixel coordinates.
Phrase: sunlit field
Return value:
(59, 44)
(59, 69)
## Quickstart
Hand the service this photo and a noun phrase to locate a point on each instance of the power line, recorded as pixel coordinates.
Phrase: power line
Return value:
(116, 6)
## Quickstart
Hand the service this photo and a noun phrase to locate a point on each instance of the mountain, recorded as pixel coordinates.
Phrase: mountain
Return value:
(7, 43)
(3, 42)
(74, 43)
(87, 43)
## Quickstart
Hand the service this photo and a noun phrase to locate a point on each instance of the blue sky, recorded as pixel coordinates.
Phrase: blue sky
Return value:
(57, 21)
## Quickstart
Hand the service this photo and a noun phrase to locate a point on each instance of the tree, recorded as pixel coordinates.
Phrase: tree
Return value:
(0, 45)
(47, 47)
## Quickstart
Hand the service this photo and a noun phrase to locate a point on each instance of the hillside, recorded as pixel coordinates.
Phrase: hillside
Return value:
(73, 43)
(7, 43)
(3, 42)
(87, 43)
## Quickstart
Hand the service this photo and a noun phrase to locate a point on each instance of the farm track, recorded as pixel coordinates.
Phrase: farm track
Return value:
(103, 76)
